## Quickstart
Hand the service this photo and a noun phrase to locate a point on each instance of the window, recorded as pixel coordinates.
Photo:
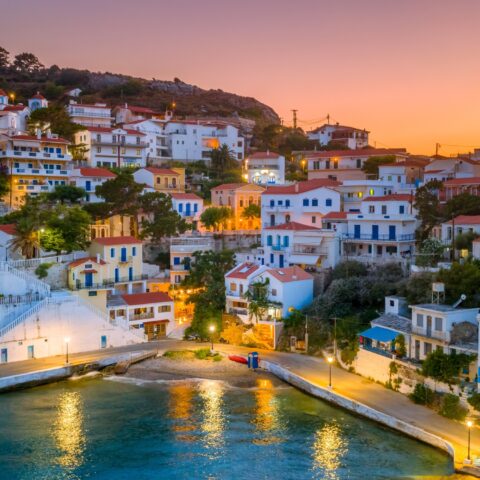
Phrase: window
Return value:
(241, 202)
(269, 241)
(328, 202)
(272, 258)
(233, 287)
(287, 203)
(285, 241)
(180, 207)
(401, 209)
(306, 202)
(359, 163)
(274, 292)
(316, 165)
(272, 203)
(112, 253)
(384, 209)
(134, 251)
(438, 324)
(165, 308)
(99, 149)
(371, 209)
(314, 219)
(92, 294)
(327, 164)
(371, 192)
(419, 320)
(392, 303)
(176, 260)
(315, 202)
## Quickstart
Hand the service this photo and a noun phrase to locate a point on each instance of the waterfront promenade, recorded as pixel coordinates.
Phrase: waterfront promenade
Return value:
(315, 371)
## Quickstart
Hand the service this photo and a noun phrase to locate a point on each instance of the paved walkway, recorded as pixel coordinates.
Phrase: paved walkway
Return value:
(314, 370)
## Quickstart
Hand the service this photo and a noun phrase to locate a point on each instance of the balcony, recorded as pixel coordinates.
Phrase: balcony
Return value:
(41, 171)
(36, 155)
(278, 248)
(32, 188)
(142, 316)
(119, 144)
(263, 167)
(238, 311)
(125, 260)
(107, 283)
(277, 208)
(303, 249)
(83, 113)
(431, 333)
(380, 237)
(190, 245)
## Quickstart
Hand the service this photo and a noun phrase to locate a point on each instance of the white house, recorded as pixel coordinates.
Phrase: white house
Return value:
(402, 175)
(112, 147)
(90, 115)
(89, 178)
(448, 231)
(383, 230)
(188, 205)
(37, 101)
(191, 141)
(354, 191)
(265, 168)
(156, 139)
(303, 202)
(22, 113)
(7, 234)
(350, 137)
(74, 92)
(445, 168)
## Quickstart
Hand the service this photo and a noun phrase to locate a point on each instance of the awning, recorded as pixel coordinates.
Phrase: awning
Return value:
(380, 334)
(304, 259)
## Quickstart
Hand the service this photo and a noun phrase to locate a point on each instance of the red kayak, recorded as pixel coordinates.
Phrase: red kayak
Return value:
(238, 359)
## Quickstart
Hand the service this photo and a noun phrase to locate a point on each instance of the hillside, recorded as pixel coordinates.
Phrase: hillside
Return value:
(115, 89)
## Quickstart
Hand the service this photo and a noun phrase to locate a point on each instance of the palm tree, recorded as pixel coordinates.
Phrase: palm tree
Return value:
(27, 238)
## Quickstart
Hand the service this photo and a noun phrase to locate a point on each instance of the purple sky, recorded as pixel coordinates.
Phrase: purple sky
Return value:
(409, 71)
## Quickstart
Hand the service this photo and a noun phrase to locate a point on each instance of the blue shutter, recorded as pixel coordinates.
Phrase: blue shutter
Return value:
(134, 251)
(180, 207)
(402, 209)
(287, 203)
(328, 202)
(285, 240)
(374, 232)
(123, 254)
(269, 241)
(356, 231)
(112, 253)
(176, 260)
(272, 203)
(305, 202)
(314, 202)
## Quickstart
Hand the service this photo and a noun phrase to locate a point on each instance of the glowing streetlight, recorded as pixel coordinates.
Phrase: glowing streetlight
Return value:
(330, 361)
(12, 97)
(42, 230)
(469, 427)
(211, 329)
(67, 341)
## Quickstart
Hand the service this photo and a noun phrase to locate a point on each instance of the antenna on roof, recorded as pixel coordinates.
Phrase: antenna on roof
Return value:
(462, 298)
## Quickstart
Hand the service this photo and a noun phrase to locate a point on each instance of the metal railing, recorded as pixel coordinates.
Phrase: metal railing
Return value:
(107, 283)
(18, 319)
(431, 333)
(34, 262)
(380, 237)
(142, 316)
(35, 285)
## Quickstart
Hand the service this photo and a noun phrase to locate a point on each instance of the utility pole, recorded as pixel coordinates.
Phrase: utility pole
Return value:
(328, 119)
(294, 111)
(452, 255)
(437, 148)
(306, 334)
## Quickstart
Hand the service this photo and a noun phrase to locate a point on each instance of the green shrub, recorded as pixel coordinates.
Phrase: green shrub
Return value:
(179, 354)
(42, 270)
(422, 395)
(451, 407)
(202, 353)
(217, 358)
(474, 401)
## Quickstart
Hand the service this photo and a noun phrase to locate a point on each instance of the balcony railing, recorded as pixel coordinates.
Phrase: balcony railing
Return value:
(119, 144)
(32, 188)
(276, 207)
(37, 155)
(83, 113)
(308, 249)
(431, 333)
(378, 351)
(142, 316)
(238, 311)
(41, 171)
(107, 283)
(380, 237)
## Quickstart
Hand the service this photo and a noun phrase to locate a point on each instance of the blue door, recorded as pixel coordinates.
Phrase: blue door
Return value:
(4, 356)
(103, 341)
(117, 275)
(88, 185)
(356, 231)
(392, 232)
(30, 352)
(374, 232)
(187, 210)
(280, 260)
(123, 254)
(89, 279)
(130, 274)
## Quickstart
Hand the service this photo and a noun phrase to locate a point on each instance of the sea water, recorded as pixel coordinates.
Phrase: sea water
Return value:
(202, 429)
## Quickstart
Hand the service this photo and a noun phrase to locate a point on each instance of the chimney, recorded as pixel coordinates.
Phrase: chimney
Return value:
(98, 258)
(268, 152)
(296, 188)
(49, 133)
(294, 277)
(39, 133)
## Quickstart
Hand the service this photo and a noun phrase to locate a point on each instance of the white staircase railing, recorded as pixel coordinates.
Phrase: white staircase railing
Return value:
(35, 262)
(36, 285)
(22, 317)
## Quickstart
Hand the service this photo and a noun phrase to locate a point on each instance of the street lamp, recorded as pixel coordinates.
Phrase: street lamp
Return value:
(12, 97)
(469, 426)
(67, 341)
(211, 329)
(330, 361)
(42, 230)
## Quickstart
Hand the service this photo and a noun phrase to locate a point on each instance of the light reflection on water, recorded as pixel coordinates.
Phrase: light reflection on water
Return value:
(213, 425)
(329, 448)
(68, 430)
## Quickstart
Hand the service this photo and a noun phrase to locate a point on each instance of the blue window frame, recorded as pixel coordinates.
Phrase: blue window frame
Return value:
(272, 258)
(315, 202)
(306, 202)
(272, 203)
(269, 241)
(374, 232)
(112, 253)
(117, 275)
(195, 207)
(286, 239)
(123, 254)
(134, 251)
(402, 209)
(392, 232)
(328, 202)
(356, 231)
(130, 274)
(287, 203)
(180, 207)
(176, 260)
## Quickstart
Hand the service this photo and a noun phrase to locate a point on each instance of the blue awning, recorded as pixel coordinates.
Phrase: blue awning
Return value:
(380, 334)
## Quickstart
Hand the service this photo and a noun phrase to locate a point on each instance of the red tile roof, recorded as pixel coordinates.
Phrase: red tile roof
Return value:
(44, 139)
(140, 109)
(394, 197)
(462, 181)
(290, 274)
(335, 216)
(339, 127)
(185, 196)
(96, 172)
(229, 186)
(301, 187)
(406, 163)
(243, 271)
(116, 240)
(292, 226)
(8, 228)
(264, 155)
(81, 261)
(3, 93)
(360, 152)
(14, 108)
(146, 298)
(38, 96)
(467, 220)
(88, 105)
(162, 171)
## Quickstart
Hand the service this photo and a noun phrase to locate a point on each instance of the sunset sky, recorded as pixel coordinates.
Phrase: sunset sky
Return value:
(408, 71)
